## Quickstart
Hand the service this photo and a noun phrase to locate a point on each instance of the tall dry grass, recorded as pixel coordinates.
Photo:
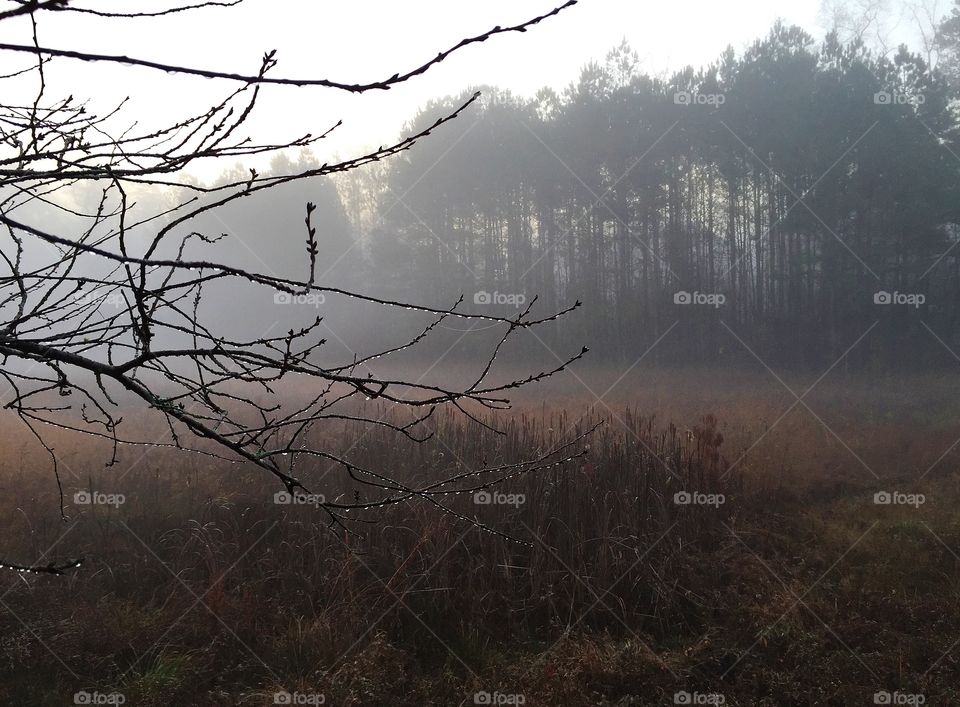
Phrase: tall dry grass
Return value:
(200, 590)
(593, 533)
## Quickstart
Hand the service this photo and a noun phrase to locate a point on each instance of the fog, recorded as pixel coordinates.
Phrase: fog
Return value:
(502, 353)
(766, 181)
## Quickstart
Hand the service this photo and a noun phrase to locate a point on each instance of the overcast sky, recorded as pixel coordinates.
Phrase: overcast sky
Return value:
(365, 40)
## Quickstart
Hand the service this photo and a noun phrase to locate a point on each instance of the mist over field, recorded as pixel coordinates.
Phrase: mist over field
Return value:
(598, 353)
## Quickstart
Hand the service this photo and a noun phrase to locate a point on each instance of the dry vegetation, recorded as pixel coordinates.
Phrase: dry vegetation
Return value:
(798, 590)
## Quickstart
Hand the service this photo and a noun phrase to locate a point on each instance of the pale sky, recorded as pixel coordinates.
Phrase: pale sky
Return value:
(365, 40)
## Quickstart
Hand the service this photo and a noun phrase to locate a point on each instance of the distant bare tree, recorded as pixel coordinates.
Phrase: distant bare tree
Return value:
(876, 23)
(100, 298)
(947, 44)
(866, 21)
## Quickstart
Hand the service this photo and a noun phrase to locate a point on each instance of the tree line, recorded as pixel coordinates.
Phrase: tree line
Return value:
(797, 203)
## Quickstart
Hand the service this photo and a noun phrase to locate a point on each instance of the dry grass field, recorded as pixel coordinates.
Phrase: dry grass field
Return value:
(783, 582)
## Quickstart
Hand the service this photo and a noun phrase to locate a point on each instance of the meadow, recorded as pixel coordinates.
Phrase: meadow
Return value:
(713, 540)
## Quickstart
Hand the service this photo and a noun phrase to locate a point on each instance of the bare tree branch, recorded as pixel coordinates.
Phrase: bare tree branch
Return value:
(260, 79)
(107, 300)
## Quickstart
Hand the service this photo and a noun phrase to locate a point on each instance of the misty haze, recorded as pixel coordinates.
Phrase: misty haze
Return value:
(393, 354)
